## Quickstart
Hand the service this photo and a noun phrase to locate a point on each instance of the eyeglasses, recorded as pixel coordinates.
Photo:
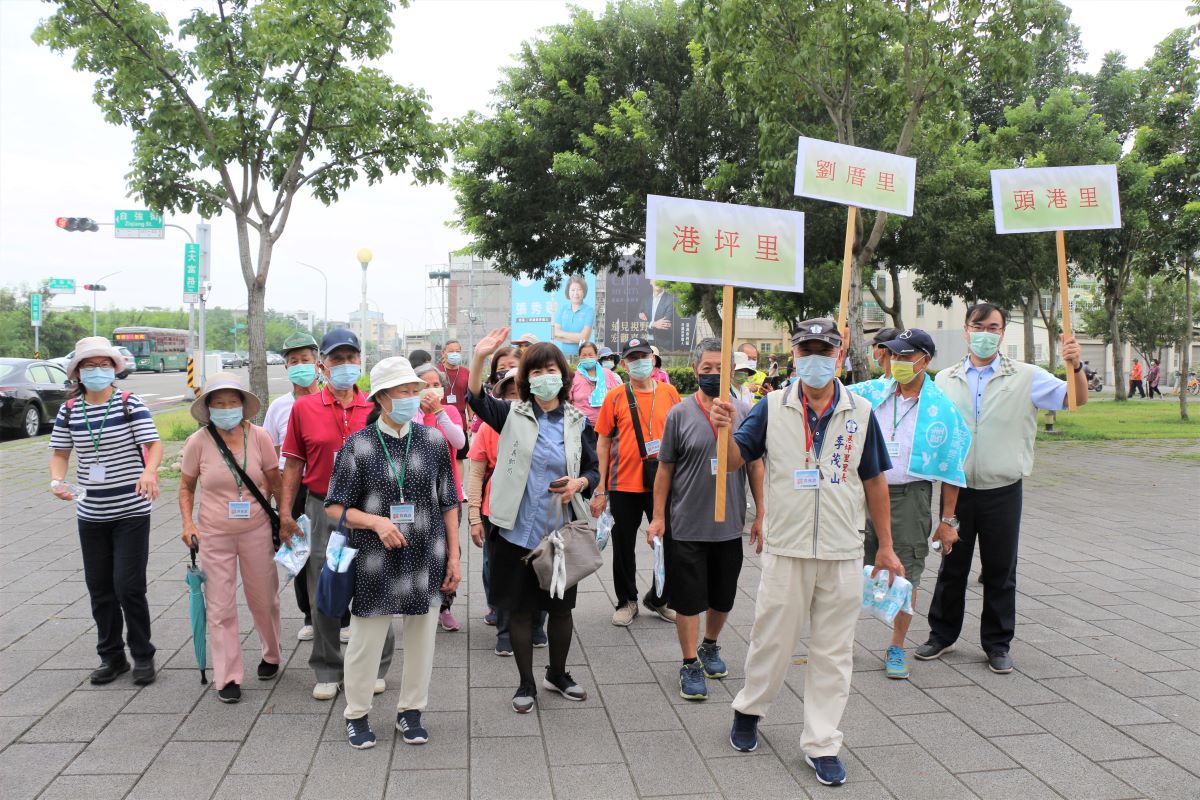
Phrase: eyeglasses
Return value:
(975, 327)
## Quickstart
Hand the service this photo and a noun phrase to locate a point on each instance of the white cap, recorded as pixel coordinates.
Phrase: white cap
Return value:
(741, 361)
(394, 371)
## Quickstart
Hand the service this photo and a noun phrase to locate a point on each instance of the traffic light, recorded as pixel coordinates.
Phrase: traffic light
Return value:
(95, 287)
(77, 224)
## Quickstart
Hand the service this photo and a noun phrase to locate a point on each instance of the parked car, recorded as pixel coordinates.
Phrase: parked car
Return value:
(230, 360)
(274, 358)
(31, 392)
(130, 361)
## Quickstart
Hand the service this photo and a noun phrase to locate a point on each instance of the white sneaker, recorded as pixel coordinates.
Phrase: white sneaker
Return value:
(325, 691)
(344, 635)
(305, 634)
(380, 686)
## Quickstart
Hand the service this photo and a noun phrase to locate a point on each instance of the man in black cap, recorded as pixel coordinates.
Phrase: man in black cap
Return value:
(823, 452)
(880, 354)
(318, 427)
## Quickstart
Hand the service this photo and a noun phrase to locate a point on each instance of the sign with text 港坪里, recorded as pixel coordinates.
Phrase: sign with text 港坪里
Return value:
(697, 241)
(1056, 198)
(855, 176)
(138, 224)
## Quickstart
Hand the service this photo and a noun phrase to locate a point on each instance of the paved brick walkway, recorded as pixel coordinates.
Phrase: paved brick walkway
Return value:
(1105, 702)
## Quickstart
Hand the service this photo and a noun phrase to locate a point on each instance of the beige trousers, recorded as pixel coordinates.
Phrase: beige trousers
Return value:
(791, 593)
(367, 635)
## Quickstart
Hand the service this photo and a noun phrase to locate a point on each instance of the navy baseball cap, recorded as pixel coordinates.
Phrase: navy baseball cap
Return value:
(910, 341)
(339, 337)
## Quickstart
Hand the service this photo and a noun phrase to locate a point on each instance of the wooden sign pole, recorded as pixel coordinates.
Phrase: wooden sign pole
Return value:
(1064, 291)
(847, 260)
(728, 312)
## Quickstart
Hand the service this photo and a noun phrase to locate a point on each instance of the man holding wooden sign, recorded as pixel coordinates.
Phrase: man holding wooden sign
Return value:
(825, 457)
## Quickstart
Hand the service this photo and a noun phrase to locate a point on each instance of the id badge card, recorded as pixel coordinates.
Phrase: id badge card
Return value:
(653, 446)
(401, 513)
(713, 465)
(97, 473)
(893, 449)
(239, 509)
(806, 479)
(451, 399)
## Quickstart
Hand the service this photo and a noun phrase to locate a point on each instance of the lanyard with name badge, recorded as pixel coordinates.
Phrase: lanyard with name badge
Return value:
(238, 509)
(652, 445)
(808, 479)
(97, 471)
(893, 447)
(452, 398)
(401, 512)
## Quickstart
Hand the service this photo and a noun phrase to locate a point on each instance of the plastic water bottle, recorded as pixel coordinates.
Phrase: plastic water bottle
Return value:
(935, 545)
(879, 587)
(78, 491)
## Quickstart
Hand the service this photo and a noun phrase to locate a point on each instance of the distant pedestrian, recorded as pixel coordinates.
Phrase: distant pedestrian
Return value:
(118, 452)
(1152, 379)
(880, 355)
(659, 374)
(1135, 380)
(591, 383)
(418, 357)
(454, 394)
(234, 534)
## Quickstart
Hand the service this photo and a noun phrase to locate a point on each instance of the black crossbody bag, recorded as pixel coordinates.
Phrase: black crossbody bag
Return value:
(649, 465)
(249, 484)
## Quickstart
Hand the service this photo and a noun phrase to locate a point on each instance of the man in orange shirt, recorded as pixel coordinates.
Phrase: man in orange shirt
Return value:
(630, 434)
(1135, 380)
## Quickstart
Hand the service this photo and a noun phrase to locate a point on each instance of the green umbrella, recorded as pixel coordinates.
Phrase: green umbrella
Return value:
(195, 581)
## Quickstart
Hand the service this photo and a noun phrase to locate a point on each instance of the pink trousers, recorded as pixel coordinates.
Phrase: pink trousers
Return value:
(220, 555)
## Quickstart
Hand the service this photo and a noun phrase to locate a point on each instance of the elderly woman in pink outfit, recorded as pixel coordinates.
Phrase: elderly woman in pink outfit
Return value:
(587, 388)
(235, 529)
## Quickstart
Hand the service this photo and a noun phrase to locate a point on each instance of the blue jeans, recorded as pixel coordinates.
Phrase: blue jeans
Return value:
(115, 553)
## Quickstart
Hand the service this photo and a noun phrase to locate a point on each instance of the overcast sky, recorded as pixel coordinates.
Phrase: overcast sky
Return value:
(59, 158)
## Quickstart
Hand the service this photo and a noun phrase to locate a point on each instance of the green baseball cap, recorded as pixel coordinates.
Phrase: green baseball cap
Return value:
(298, 341)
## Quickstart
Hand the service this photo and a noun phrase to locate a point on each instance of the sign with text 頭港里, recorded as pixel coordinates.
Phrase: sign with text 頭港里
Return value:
(1056, 199)
(855, 176)
(697, 241)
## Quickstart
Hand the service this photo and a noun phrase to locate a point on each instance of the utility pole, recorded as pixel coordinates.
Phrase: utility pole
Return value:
(204, 239)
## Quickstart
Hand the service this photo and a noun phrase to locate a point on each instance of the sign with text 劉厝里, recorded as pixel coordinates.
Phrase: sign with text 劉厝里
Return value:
(855, 176)
(697, 241)
(1056, 199)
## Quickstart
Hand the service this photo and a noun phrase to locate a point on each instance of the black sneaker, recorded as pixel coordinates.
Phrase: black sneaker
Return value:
(524, 699)
(564, 685)
(359, 732)
(108, 671)
(267, 670)
(409, 724)
(230, 693)
(1000, 663)
(143, 671)
(743, 736)
(931, 650)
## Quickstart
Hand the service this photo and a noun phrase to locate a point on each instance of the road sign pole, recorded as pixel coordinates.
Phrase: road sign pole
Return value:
(35, 319)
(204, 239)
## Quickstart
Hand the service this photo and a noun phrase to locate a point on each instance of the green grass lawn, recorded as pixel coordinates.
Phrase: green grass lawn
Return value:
(175, 426)
(1102, 420)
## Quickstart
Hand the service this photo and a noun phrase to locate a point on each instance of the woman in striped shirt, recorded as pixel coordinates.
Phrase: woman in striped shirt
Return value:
(118, 453)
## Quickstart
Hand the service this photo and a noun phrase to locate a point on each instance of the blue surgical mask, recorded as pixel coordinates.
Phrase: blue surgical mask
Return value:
(226, 418)
(641, 369)
(984, 344)
(816, 371)
(608, 363)
(404, 409)
(587, 364)
(97, 379)
(343, 376)
(302, 374)
(454, 359)
(546, 387)
(710, 384)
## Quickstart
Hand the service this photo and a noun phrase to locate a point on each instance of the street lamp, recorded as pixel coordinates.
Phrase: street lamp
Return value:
(364, 258)
(325, 278)
(109, 275)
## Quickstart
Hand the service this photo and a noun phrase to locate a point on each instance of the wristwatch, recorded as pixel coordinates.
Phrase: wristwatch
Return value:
(951, 521)
(54, 484)
(599, 494)
(1079, 369)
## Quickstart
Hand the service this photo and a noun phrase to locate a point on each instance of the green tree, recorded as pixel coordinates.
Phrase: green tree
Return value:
(596, 115)
(872, 73)
(241, 108)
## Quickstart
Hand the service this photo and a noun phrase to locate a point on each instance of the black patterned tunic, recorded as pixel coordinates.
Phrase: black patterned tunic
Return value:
(407, 580)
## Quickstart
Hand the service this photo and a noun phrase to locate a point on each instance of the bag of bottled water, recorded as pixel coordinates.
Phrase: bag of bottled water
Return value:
(884, 602)
(603, 529)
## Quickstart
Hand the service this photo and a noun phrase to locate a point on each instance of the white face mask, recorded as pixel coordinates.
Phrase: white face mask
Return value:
(434, 391)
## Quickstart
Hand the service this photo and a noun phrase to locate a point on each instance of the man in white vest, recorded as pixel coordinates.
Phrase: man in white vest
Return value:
(825, 458)
(999, 398)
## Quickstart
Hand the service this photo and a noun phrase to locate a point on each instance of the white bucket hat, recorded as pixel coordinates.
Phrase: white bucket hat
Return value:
(251, 405)
(741, 361)
(91, 347)
(394, 371)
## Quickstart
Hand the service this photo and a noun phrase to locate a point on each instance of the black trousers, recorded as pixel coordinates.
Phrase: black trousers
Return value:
(1136, 386)
(993, 518)
(115, 553)
(627, 509)
(1154, 390)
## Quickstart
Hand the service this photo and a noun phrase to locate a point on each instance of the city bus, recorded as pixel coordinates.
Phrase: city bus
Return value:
(157, 349)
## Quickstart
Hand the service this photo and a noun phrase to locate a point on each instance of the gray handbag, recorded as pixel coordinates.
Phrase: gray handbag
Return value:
(567, 554)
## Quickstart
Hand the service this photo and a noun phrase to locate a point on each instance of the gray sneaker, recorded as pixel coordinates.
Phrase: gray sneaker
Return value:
(625, 614)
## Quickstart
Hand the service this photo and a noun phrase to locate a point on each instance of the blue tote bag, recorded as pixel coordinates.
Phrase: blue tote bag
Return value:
(335, 589)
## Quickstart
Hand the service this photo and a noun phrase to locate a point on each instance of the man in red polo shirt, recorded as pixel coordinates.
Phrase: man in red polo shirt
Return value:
(318, 427)
(457, 375)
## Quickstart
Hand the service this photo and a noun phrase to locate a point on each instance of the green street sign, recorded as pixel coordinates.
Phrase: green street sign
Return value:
(62, 285)
(35, 310)
(138, 224)
(241, 326)
(191, 273)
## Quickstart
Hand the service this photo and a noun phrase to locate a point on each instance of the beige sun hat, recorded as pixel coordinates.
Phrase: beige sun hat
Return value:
(251, 405)
(394, 371)
(91, 347)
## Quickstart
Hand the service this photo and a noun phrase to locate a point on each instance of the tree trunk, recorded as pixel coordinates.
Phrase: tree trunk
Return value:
(256, 317)
(854, 319)
(1050, 318)
(1185, 358)
(1027, 325)
(1114, 333)
(709, 310)
(896, 311)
